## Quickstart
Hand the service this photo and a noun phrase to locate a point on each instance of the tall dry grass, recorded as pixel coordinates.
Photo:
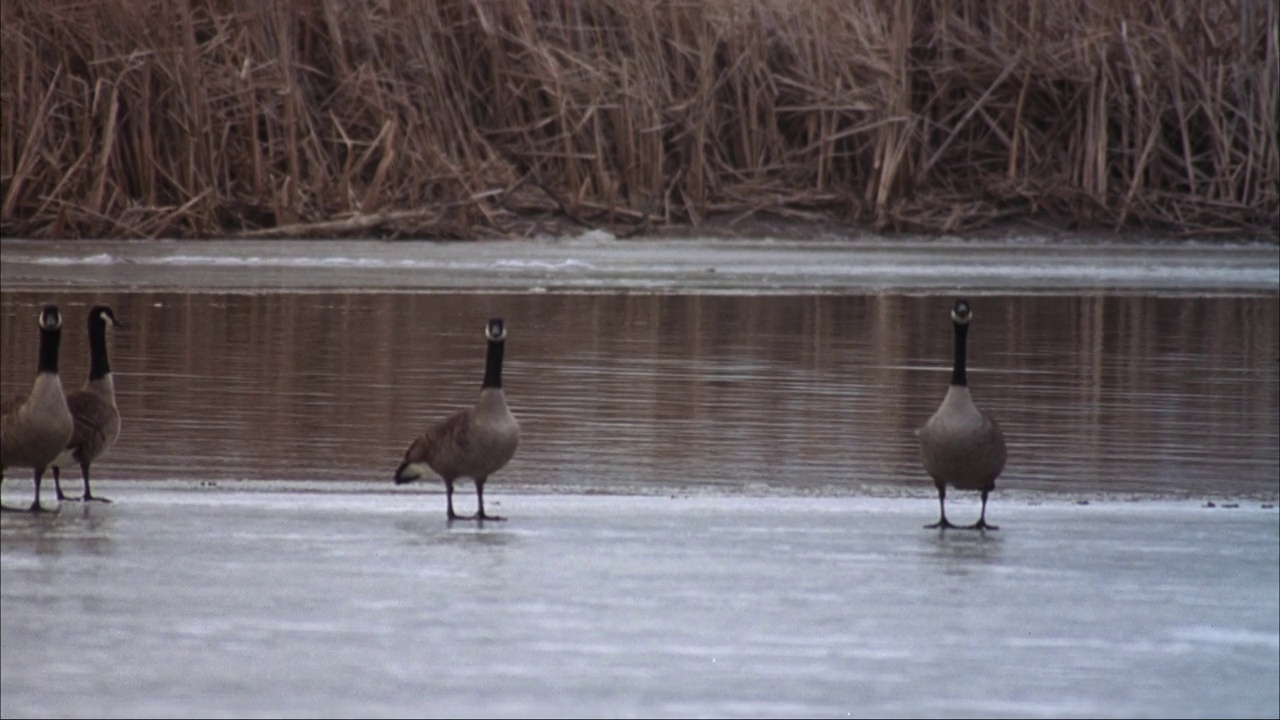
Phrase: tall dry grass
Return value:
(462, 118)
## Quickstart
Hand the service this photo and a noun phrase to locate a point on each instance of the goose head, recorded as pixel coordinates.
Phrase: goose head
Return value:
(103, 314)
(495, 331)
(50, 318)
(961, 314)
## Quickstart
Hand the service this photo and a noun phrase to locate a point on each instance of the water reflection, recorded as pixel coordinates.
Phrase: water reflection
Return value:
(811, 393)
(75, 531)
(420, 532)
(961, 553)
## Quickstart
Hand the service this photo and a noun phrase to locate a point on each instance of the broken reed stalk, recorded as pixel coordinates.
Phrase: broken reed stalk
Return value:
(454, 118)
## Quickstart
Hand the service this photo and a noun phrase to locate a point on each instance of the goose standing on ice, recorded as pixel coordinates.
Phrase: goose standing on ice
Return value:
(93, 407)
(961, 445)
(475, 442)
(36, 427)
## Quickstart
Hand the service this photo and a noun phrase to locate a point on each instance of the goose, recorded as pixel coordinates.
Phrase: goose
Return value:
(93, 407)
(961, 445)
(475, 442)
(36, 427)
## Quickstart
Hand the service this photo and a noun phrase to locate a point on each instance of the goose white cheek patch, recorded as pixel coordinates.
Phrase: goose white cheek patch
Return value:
(414, 471)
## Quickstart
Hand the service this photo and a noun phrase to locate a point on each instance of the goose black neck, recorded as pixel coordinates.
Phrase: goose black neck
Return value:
(98, 365)
(50, 340)
(957, 372)
(493, 365)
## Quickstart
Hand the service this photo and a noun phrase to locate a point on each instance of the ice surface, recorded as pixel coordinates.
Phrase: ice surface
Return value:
(184, 601)
(595, 262)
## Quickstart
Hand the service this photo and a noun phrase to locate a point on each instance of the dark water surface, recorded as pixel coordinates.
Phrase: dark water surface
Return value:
(1097, 393)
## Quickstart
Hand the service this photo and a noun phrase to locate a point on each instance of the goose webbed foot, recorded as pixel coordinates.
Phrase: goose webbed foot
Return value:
(478, 517)
(94, 498)
(36, 507)
(942, 523)
(982, 525)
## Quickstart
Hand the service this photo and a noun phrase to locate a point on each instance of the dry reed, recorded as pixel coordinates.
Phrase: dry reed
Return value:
(468, 118)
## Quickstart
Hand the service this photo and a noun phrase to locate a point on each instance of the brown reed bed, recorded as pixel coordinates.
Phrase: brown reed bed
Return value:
(472, 118)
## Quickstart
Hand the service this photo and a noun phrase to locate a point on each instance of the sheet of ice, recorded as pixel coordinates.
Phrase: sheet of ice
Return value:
(597, 261)
(185, 601)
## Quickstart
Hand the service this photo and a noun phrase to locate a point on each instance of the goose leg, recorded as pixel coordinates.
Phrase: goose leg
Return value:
(448, 492)
(57, 484)
(982, 519)
(88, 496)
(942, 506)
(480, 502)
(35, 504)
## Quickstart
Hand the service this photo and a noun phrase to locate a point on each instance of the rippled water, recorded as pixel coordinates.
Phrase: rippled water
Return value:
(1097, 393)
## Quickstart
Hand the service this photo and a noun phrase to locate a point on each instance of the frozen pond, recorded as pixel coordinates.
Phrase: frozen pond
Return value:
(716, 507)
(184, 601)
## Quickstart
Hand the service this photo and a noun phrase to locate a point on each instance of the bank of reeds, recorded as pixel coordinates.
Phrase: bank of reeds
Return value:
(464, 118)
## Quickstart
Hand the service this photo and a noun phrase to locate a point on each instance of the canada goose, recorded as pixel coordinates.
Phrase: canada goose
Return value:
(35, 428)
(93, 407)
(961, 445)
(475, 442)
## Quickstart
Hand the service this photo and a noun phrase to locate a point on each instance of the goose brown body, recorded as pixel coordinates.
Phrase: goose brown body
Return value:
(93, 408)
(472, 443)
(962, 445)
(36, 427)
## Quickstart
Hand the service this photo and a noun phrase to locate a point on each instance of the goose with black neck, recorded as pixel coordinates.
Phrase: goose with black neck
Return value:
(962, 445)
(36, 427)
(93, 407)
(472, 443)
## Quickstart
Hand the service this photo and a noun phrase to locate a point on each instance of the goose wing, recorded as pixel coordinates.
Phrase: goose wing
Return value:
(443, 445)
(96, 421)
